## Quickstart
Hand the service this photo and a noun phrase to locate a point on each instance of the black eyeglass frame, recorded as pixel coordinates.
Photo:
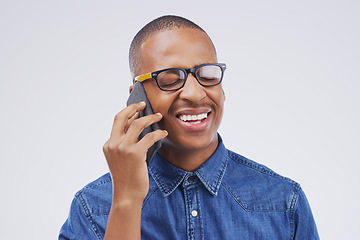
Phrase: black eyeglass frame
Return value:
(153, 75)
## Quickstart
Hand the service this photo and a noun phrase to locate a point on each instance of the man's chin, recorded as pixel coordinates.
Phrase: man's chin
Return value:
(190, 142)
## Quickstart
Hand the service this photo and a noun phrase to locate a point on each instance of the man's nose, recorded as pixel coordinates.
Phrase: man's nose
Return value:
(192, 90)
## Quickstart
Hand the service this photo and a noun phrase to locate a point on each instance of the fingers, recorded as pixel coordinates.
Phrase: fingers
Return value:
(149, 139)
(122, 119)
(138, 125)
(126, 130)
(131, 120)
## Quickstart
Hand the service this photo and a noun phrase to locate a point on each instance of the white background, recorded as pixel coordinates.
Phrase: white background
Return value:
(292, 88)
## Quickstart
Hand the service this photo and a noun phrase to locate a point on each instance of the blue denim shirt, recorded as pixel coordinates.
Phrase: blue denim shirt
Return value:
(228, 197)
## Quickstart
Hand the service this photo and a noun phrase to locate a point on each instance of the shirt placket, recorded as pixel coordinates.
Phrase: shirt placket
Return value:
(193, 211)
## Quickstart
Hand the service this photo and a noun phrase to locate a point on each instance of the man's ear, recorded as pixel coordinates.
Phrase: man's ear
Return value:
(224, 94)
(131, 88)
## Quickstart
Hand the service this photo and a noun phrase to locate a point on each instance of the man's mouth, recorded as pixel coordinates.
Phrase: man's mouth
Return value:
(195, 119)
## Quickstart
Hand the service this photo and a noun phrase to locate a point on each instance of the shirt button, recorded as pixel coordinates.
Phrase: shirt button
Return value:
(194, 213)
(191, 179)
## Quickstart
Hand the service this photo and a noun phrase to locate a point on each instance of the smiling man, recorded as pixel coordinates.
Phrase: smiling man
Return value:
(194, 187)
(190, 142)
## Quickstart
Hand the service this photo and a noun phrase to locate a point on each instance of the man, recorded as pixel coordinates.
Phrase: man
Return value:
(194, 187)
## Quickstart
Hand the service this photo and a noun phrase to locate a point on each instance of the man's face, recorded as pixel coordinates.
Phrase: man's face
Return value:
(183, 48)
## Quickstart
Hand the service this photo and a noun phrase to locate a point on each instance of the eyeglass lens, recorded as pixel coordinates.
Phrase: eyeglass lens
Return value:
(207, 75)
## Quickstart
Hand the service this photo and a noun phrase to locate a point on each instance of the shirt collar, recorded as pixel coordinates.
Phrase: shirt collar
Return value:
(210, 173)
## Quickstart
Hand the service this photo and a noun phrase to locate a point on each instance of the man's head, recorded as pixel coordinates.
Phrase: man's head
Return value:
(192, 114)
(160, 24)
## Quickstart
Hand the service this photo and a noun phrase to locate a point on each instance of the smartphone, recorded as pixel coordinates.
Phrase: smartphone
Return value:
(138, 94)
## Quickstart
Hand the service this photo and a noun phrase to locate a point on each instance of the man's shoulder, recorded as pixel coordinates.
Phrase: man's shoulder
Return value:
(254, 168)
(95, 197)
(101, 184)
(257, 187)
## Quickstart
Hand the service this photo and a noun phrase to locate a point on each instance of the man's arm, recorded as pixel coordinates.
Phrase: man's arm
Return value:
(126, 157)
(77, 225)
(305, 227)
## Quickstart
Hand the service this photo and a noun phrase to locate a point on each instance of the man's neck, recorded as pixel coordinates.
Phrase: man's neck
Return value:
(187, 159)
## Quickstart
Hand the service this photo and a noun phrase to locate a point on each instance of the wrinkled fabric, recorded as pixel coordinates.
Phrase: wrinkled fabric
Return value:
(228, 197)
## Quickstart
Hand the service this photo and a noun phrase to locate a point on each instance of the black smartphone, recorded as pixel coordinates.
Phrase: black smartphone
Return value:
(138, 94)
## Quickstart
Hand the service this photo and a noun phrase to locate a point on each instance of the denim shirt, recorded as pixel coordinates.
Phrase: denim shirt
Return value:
(228, 197)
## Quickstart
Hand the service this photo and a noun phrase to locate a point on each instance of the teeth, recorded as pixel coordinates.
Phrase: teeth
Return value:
(193, 117)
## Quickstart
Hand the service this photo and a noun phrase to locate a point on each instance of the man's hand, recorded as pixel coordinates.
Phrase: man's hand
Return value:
(126, 157)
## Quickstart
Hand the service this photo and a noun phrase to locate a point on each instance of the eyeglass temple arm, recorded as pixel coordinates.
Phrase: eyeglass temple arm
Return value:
(142, 78)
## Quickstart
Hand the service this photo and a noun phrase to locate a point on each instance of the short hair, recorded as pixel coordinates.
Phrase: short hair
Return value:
(164, 23)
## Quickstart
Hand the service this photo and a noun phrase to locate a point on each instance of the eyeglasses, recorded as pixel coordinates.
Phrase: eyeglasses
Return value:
(172, 79)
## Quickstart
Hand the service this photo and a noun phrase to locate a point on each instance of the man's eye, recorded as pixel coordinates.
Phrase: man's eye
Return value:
(208, 79)
(168, 83)
(170, 79)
